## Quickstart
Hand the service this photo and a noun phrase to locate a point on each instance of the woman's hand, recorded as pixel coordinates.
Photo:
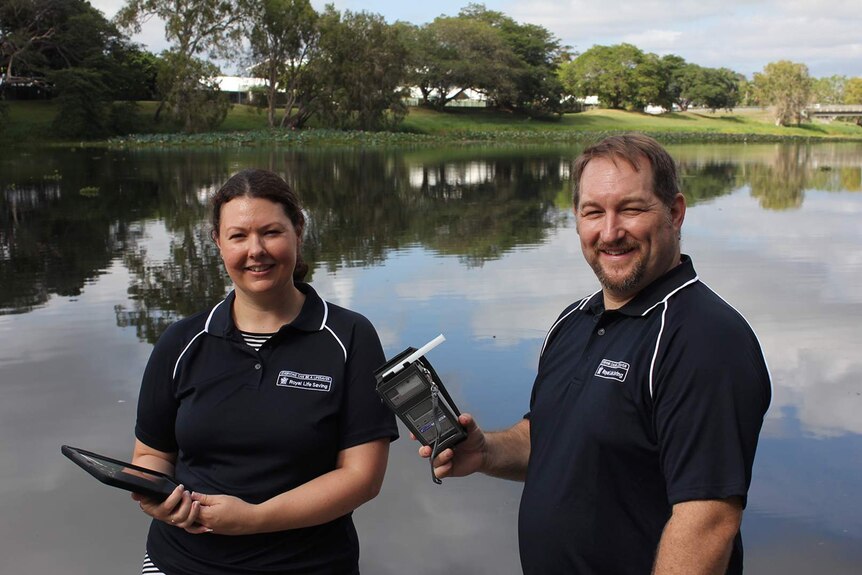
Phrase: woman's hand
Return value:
(178, 510)
(224, 514)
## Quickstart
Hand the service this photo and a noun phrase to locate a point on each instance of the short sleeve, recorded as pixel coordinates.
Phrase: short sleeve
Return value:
(711, 392)
(364, 417)
(157, 403)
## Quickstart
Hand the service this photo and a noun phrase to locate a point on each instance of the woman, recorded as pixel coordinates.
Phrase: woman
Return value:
(263, 409)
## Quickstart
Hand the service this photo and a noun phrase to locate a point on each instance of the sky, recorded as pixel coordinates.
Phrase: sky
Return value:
(743, 35)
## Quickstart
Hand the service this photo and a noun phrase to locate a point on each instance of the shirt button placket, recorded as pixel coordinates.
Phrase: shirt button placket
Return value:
(258, 367)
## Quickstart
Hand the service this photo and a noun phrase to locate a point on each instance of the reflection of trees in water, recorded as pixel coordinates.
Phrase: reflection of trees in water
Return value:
(703, 182)
(190, 280)
(363, 205)
(481, 210)
(779, 182)
(54, 239)
(191, 277)
(360, 204)
(779, 185)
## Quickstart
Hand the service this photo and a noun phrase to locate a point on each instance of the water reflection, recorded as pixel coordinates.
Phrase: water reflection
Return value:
(476, 243)
(361, 207)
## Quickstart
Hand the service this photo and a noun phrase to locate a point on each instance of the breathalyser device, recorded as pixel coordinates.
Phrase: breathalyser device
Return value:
(410, 387)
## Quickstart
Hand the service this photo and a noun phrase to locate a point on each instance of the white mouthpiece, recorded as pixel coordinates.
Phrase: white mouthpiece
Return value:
(415, 355)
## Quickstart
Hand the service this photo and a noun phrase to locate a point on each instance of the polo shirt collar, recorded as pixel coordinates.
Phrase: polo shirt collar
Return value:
(312, 316)
(653, 294)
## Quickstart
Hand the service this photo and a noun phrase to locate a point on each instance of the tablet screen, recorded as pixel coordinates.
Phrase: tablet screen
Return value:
(121, 474)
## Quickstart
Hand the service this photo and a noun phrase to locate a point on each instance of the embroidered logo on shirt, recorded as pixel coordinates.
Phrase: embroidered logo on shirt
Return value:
(304, 381)
(613, 370)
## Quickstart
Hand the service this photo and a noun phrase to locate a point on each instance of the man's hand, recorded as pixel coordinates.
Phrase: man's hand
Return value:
(465, 458)
(500, 454)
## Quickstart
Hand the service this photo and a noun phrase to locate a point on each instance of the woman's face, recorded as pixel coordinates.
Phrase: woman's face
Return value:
(259, 245)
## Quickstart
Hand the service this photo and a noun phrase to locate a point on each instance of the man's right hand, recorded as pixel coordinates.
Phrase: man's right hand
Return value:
(465, 458)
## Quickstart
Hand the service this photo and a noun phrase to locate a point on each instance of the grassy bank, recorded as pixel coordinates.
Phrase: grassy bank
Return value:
(754, 122)
(30, 123)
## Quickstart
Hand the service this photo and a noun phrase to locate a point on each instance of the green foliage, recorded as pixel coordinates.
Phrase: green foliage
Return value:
(284, 37)
(189, 92)
(452, 55)
(713, 88)
(184, 82)
(37, 36)
(132, 72)
(192, 26)
(829, 90)
(536, 54)
(361, 71)
(624, 77)
(608, 72)
(124, 118)
(26, 30)
(482, 50)
(81, 105)
(853, 91)
(787, 87)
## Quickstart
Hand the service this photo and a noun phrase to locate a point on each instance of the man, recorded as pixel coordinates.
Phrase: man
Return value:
(636, 454)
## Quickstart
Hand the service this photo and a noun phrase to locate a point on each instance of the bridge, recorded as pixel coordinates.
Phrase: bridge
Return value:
(832, 111)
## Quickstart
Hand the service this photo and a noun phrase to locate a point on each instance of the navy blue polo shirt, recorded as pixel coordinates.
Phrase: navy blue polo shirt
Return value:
(632, 411)
(255, 424)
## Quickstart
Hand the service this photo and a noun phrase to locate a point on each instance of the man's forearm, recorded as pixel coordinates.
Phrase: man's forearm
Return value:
(507, 452)
(698, 538)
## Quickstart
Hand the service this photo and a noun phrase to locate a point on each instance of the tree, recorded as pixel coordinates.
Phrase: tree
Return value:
(193, 27)
(454, 54)
(25, 27)
(853, 91)
(787, 87)
(714, 88)
(361, 71)
(829, 90)
(69, 47)
(284, 38)
(536, 55)
(81, 105)
(676, 72)
(38, 36)
(607, 72)
(651, 79)
(188, 89)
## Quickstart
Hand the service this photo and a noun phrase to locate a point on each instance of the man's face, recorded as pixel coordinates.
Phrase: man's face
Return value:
(628, 236)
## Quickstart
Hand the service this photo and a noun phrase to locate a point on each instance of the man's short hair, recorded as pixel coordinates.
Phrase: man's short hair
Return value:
(632, 148)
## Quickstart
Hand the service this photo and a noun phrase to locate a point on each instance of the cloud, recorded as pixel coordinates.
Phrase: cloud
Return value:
(741, 35)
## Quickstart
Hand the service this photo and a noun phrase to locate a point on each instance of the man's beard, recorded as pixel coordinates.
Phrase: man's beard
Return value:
(625, 284)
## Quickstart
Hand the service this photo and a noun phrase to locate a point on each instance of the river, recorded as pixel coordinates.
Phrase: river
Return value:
(101, 249)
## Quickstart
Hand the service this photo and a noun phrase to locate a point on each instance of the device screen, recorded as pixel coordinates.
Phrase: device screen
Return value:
(410, 387)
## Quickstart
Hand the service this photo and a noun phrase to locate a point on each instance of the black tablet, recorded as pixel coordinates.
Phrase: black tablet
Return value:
(121, 474)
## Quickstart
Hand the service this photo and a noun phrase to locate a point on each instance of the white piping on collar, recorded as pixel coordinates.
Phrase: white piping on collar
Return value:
(667, 297)
(579, 307)
(197, 335)
(329, 329)
(325, 314)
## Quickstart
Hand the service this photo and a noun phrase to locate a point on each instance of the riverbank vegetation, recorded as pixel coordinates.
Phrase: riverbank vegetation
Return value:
(31, 123)
(70, 74)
